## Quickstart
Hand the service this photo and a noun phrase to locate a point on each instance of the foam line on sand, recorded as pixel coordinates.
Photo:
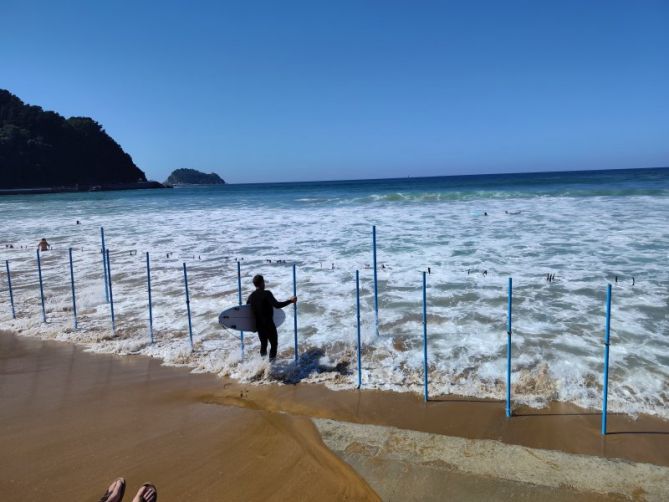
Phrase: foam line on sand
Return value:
(494, 459)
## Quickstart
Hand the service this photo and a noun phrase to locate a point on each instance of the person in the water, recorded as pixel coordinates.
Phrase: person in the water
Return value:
(262, 303)
(43, 245)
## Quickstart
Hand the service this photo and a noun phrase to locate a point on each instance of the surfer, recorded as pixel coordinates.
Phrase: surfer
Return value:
(262, 303)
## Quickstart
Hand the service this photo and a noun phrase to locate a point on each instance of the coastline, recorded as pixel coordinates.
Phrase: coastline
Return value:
(102, 187)
(558, 325)
(101, 416)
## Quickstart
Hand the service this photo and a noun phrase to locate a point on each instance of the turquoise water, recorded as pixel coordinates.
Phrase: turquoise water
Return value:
(472, 232)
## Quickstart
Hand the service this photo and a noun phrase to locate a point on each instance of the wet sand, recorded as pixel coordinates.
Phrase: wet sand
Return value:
(71, 421)
(559, 426)
(410, 465)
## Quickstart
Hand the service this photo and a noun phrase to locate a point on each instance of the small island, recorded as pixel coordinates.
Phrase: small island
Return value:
(193, 177)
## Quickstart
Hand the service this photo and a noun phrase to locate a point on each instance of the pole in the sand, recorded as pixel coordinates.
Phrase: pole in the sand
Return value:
(239, 293)
(105, 272)
(11, 293)
(190, 324)
(74, 298)
(357, 312)
(111, 294)
(41, 285)
(607, 338)
(425, 337)
(508, 350)
(148, 286)
(295, 311)
(376, 281)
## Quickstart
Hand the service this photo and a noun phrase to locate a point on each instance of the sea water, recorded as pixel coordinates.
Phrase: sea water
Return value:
(472, 233)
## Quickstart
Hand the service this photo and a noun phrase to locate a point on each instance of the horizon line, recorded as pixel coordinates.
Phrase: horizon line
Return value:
(446, 176)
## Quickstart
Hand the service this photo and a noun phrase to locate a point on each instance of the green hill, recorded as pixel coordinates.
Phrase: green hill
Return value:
(43, 149)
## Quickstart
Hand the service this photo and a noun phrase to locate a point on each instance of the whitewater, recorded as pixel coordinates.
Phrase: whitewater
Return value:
(472, 233)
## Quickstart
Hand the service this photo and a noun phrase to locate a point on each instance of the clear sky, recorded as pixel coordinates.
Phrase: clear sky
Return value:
(285, 90)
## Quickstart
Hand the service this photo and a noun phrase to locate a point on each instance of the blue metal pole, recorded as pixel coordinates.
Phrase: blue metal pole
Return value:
(9, 284)
(376, 281)
(190, 324)
(357, 312)
(111, 294)
(105, 272)
(148, 286)
(607, 339)
(41, 286)
(74, 298)
(508, 350)
(295, 311)
(239, 292)
(425, 338)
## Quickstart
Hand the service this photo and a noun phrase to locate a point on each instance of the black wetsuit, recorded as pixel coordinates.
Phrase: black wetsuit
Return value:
(262, 305)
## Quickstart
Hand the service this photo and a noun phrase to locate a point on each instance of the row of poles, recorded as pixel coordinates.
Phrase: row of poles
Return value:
(109, 297)
(607, 338)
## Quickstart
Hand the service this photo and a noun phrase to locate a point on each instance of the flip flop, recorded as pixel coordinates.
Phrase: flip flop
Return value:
(143, 496)
(114, 490)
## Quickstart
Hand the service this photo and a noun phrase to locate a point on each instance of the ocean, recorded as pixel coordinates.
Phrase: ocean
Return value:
(589, 229)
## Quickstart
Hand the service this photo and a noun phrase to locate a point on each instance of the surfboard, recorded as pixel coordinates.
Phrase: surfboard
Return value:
(241, 318)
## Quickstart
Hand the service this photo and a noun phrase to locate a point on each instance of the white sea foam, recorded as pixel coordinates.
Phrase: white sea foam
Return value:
(558, 326)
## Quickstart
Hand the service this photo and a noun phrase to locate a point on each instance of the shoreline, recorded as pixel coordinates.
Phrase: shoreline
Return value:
(74, 420)
(558, 426)
(558, 325)
(83, 188)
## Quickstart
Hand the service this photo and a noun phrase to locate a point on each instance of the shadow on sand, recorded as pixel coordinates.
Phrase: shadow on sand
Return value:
(309, 362)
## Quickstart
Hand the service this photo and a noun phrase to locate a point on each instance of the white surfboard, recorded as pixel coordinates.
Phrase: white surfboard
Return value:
(241, 318)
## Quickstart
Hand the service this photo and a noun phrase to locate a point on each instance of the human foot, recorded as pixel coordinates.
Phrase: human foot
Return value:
(115, 491)
(147, 493)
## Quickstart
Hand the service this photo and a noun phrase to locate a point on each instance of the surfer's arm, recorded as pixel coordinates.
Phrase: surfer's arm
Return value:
(277, 304)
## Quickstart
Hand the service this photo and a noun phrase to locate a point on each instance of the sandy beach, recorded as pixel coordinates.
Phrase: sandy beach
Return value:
(401, 252)
(72, 421)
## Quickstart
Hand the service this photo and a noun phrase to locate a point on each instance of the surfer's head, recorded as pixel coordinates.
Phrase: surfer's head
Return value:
(259, 281)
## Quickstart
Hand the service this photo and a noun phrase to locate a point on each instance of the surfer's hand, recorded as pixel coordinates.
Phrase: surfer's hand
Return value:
(293, 299)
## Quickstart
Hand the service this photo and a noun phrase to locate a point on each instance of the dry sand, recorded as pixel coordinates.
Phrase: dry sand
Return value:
(72, 421)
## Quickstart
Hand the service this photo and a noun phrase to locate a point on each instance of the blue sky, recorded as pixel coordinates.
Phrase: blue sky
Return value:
(283, 90)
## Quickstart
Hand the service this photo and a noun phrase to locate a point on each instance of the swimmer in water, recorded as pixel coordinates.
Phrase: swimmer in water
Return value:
(43, 245)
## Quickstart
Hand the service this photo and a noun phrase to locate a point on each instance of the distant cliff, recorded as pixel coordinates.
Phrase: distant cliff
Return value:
(193, 177)
(43, 149)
